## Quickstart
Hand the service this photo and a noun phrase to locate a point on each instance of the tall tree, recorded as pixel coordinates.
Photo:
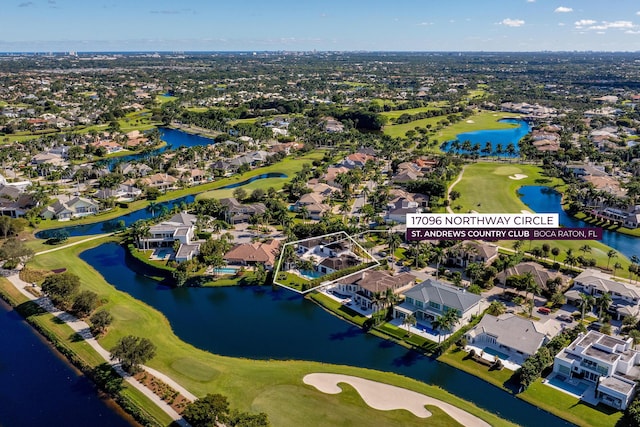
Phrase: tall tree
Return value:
(132, 352)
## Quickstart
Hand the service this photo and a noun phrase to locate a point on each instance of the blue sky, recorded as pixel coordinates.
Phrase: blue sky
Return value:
(255, 25)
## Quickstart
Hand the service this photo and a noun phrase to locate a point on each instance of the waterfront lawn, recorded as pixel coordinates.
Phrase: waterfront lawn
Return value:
(569, 407)
(275, 387)
(292, 280)
(458, 359)
(482, 120)
(288, 166)
(486, 187)
(338, 308)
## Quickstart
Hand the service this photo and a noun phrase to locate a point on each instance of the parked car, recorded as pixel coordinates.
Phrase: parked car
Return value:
(565, 318)
(544, 310)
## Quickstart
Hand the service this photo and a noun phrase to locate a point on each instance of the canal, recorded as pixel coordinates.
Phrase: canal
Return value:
(39, 387)
(259, 316)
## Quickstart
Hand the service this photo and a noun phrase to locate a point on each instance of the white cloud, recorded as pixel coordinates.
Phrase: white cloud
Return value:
(425, 24)
(638, 13)
(584, 23)
(512, 22)
(563, 9)
(589, 24)
(632, 32)
(561, 24)
(531, 1)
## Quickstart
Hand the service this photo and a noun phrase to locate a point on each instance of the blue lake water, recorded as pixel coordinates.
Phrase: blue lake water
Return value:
(545, 200)
(495, 137)
(279, 324)
(39, 388)
(174, 138)
(130, 218)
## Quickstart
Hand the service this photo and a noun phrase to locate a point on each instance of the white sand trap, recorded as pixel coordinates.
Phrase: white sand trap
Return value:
(470, 121)
(524, 211)
(387, 397)
(518, 176)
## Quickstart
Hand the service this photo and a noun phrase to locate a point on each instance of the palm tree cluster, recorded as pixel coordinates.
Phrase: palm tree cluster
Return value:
(445, 322)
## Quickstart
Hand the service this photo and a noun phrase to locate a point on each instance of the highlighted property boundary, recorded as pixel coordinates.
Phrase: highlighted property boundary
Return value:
(368, 263)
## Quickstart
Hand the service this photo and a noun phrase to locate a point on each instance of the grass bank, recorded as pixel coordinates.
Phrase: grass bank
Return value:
(274, 387)
(538, 394)
(487, 188)
(289, 166)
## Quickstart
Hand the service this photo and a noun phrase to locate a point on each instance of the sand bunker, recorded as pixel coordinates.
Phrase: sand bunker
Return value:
(517, 176)
(387, 397)
(470, 121)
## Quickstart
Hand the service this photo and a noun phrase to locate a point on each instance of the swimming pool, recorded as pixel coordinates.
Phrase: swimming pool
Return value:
(493, 352)
(427, 329)
(226, 270)
(577, 389)
(163, 253)
(310, 274)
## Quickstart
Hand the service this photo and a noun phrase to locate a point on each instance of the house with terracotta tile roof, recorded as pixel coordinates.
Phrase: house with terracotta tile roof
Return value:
(364, 286)
(254, 253)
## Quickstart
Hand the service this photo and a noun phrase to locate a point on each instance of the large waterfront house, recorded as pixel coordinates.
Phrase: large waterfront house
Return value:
(625, 298)
(368, 288)
(540, 274)
(609, 365)
(179, 227)
(236, 212)
(431, 299)
(254, 253)
(509, 334)
(67, 207)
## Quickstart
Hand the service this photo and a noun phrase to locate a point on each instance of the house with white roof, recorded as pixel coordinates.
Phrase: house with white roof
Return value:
(625, 298)
(609, 365)
(509, 334)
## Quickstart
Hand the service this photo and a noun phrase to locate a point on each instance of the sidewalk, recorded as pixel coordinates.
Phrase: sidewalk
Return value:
(82, 328)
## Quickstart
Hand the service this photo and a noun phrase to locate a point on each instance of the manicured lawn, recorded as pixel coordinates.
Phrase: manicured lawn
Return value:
(289, 166)
(483, 120)
(548, 398)
(337, 308)
(397, 113)
(456, 358)
(487, 188)
(569, 407)
(399, 131)
(164, 99)
(275, 387)
(291, 280)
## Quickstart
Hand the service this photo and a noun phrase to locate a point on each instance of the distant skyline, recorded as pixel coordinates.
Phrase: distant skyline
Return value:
(299, 25)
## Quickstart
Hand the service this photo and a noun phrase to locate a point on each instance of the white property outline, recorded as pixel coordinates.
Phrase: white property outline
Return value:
(346, 237)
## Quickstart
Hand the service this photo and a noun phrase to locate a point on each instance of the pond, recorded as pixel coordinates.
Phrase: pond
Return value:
(266, 323)
(174, 138)
(543, 199)
(40, 388)
(503, 137)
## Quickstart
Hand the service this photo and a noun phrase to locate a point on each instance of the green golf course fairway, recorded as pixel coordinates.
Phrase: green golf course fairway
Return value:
(487, 188)
(275, 387)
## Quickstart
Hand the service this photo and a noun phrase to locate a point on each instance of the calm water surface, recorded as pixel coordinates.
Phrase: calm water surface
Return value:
(495, 137)
(545, 200)
(262, 323)
(39, 388)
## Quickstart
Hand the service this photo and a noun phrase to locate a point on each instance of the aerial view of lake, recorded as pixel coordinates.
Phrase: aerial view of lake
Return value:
(274, 323)
(39, 387)
(503, 137)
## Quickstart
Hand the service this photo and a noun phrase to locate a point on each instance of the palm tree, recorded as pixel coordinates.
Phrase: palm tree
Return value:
(530, 286)
(611, 254)
(585, 249)
(393, 242)
(438, 324)
(496, 308)
(410, 321)
(586, 302)
(517, 245)
(603, 302)
(555, 252)
(151, 207)
(617, 266)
